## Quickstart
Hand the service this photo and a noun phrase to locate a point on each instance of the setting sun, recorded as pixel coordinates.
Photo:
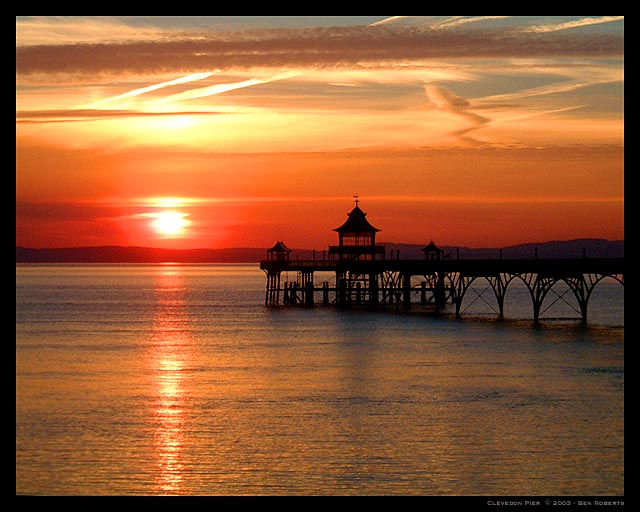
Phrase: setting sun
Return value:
(170, 223)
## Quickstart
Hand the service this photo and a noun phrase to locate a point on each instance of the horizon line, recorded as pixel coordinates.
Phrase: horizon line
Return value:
(309, 249)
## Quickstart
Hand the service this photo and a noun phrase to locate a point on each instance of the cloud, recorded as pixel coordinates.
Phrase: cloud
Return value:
(71, 115)
(35, 30)
(66, 210)
(445, 100)
(317, 47)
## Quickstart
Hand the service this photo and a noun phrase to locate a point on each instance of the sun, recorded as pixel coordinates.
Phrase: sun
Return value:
(170, 223)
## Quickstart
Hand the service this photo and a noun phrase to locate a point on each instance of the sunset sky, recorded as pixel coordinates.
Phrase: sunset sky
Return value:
(212, 132)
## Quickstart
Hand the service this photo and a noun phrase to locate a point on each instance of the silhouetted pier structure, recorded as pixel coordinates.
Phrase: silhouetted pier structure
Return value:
(365, 277)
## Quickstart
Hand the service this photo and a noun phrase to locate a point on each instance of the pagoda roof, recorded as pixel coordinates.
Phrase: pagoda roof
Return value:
(279, 247)
(356, 223)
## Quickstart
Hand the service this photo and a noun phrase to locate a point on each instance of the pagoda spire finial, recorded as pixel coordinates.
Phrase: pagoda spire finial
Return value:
(356, 199)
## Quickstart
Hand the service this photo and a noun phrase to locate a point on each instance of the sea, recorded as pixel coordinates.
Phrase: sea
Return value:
(175, 379)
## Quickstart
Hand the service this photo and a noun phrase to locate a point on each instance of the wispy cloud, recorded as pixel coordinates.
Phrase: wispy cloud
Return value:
(583, 22)
(73, 115)
(44, 30)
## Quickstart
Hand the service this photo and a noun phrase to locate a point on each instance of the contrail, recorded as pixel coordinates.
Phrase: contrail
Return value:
(137, 92)
(535, 114)
(548, 89)
(220, 88)
(540, 29)
(462, 21)
(387, 20)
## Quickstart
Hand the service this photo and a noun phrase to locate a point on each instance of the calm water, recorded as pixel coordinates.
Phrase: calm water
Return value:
(175, 379)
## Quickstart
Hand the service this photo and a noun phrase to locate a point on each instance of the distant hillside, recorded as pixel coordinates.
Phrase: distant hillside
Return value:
(594, 248)
(116, 254)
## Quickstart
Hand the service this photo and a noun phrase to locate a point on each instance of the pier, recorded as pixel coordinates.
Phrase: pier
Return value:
(360, 275)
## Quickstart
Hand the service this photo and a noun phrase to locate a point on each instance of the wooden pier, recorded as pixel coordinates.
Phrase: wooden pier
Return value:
(361, 276)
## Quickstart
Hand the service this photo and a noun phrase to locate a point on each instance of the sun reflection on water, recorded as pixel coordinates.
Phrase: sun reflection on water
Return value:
(169, 361)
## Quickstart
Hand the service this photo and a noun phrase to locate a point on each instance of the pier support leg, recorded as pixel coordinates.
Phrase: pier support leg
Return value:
(308, 295)
(325, 293)
(537, 305)
(373, 291)
(439, 295)
(500, 292)
(583, 310)
(272, 294)
(406, 291)
(342, 292)
(458, 303)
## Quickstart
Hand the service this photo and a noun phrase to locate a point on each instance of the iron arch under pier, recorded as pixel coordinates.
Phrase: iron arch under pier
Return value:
(539, 285)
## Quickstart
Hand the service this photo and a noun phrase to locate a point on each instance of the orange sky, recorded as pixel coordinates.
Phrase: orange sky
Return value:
(472, 131)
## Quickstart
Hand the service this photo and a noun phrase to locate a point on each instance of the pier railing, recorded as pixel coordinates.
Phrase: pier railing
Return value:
(548, 266)
(295, 265)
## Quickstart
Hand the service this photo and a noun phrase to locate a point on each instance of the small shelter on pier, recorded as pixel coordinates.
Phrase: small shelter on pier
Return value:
(432, 252)
(279, 252)
(357, 238)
